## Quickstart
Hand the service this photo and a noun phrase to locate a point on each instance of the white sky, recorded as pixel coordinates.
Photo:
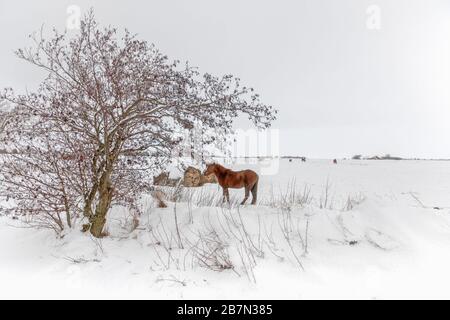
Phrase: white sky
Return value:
(341, 89)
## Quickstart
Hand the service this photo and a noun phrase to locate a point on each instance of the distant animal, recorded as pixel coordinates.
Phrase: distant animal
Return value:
(227, 178)
(335, 161)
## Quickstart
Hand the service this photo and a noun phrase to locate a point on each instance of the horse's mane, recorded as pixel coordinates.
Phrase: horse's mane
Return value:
(221, 169)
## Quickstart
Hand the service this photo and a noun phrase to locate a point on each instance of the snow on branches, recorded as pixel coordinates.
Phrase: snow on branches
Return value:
(104, 119)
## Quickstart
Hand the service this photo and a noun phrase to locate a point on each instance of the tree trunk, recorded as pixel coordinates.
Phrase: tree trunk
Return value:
(88, 201)
(98, 219)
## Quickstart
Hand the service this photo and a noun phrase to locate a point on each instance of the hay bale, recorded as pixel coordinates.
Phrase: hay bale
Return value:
(163, 180)
(208, 179)
(193, 177)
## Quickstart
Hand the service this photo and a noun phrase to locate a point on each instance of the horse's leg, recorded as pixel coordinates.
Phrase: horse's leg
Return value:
(228, 195)
(255, 192)
(247, 193)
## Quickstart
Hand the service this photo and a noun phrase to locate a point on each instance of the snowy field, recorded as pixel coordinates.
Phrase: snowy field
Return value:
(358, 229)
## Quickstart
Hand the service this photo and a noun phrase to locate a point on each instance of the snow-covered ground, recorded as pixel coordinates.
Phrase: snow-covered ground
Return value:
(358, 229)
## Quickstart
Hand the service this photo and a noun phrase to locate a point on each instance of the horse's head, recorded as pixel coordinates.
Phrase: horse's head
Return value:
(210, 169)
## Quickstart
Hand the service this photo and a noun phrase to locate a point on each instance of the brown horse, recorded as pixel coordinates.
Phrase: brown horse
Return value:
(227, 178)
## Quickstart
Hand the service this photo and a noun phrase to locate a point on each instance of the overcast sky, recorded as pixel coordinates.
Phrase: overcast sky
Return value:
(340, 87)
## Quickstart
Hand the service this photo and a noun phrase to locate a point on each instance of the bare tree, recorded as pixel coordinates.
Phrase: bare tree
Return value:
(4, 115)
(105, 118)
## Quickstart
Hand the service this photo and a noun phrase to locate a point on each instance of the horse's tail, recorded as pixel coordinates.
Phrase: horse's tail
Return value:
(255, 186)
